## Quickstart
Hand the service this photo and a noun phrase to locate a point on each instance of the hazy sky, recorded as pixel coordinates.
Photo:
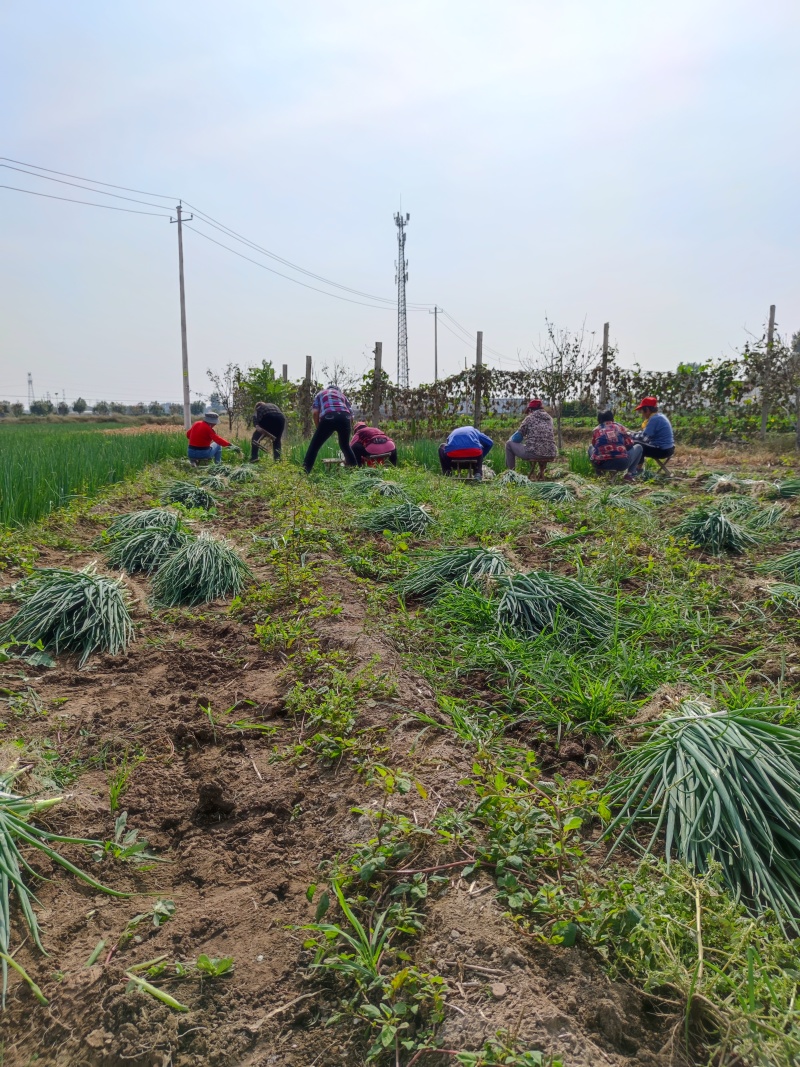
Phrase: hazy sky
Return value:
(586, 160)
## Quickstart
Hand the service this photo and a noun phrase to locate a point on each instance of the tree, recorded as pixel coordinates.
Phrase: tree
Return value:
(197, 407)
(17, 410)
(80, 405)
(118, 409)
(224, 384)
(259, 384)
(154, 408)
(62, 409)
(101, 408)
(560, 367)
(770, 367)
(5, 407)
(41, 407)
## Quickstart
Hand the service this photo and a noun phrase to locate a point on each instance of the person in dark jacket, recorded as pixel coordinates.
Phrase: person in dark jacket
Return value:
(656, 436)
(465, 443)
(269, 422)
(371, 443)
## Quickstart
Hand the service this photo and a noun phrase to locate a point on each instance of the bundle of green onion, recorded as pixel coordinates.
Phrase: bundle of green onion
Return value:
(364, 483)
(16, 829)
(543, 600)
(619, 497)
(788, 488)
(146, 550)
(188, 494)
(787, 565)
(214, 481)
(199, 571)
(71, 611)
(513, 478)
(721, 786)
(552, 492)
(448, 566)
(151, 519)
(243, 474)
(750, 513)
(224, 470)
(402, 518)
(711, 529)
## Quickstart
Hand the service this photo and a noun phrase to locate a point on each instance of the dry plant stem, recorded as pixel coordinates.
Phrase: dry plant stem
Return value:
(699, 934)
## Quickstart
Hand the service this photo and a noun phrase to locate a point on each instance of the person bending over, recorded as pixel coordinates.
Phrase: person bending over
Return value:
(465, 443)
(369, 443)
(534, 441)
(656, 436)
(332, 414)
(204, 441)
(613, 448)
(269, 422)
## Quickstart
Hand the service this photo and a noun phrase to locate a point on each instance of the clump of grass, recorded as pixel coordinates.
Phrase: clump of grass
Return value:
(402, 518)
(552, 492)
(16, 828)
(712, 530)
(722, 785)
(788, 488)
(201, 570)
(188, 494)
(452, 566)
(662, 496)
(135, 521)
(787, 565)
(543, 600)
(243, 474)
(71, 611)
(146, 550)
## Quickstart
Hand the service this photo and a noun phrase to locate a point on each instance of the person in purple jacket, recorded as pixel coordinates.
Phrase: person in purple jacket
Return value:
(465, 443)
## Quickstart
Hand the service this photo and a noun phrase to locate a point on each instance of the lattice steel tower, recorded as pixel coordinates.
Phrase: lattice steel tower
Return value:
(401, 221)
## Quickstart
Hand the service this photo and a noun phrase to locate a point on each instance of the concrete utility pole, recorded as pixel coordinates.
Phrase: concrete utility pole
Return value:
(476, 415)
(307, 399)
(376, 383)
(604, 370)
(286, 372)
(187, 402)
(766, 383)
(435, 314)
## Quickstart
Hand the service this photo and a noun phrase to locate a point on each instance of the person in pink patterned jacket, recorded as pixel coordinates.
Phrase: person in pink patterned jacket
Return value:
(613, 448)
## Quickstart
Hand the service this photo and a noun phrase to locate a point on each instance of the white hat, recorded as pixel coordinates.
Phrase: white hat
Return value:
(211, 416)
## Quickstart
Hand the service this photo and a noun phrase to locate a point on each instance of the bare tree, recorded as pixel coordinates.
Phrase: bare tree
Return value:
(340, 375)
(560, 367)
(224, 384)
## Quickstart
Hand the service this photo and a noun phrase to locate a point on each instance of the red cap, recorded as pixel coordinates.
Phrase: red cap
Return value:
(648, 402)
(534, 404)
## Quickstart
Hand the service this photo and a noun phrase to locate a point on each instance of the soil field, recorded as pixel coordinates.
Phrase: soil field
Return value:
(319, 732)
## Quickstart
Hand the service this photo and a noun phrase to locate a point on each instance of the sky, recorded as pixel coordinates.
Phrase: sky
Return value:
(582, 161)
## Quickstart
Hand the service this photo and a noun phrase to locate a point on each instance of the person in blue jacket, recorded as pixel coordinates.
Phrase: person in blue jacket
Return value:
(465, 443)
(656, 436)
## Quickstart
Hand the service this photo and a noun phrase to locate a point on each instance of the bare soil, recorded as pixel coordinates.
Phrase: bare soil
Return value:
(244, 836)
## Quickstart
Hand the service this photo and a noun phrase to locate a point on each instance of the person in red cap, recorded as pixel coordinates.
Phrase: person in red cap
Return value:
(656, 436)
(534, 441)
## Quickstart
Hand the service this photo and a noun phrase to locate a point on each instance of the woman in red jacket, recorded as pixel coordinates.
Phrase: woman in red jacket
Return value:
(204, 442)
(369, 442)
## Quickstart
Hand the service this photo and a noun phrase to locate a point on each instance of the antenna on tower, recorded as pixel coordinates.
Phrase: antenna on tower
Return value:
(31, 394)
(401, 222)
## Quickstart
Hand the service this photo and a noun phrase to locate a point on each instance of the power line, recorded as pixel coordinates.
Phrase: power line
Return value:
(94, 181)
(255, 262)
(88, 203)
(86, 189)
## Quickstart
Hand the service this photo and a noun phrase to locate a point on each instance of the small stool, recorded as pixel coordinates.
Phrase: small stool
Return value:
(662, 465)
(329, 464)
(200, 462)
(462, 467)
(376, 461)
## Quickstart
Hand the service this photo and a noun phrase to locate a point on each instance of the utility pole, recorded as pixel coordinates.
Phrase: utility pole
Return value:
(307, 399)
(604, 370)
(187, 402)
(286, 372)
(766, 382)
(476, 415)
(376, 384)
(401, 221)
(31, 394)
(435, 314)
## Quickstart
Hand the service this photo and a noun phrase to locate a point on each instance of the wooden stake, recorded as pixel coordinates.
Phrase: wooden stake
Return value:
(376, 384)
(476, 414)
(766, 382)
(604, 370)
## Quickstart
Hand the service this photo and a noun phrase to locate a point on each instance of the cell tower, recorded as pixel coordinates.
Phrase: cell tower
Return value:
(401, 221)
(31, 394)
